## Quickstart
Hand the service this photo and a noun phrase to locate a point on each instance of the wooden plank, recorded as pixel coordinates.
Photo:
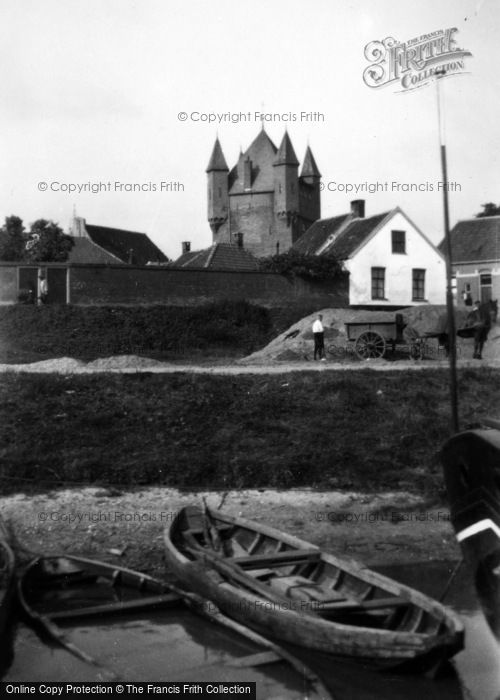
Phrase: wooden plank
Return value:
(350, 606)
(232, 573)
(167, 600)
(277, 559)
(258, 659)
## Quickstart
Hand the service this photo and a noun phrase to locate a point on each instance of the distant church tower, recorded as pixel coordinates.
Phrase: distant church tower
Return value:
(262, 201)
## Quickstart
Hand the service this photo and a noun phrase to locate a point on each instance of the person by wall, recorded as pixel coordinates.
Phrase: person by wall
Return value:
(43, 289)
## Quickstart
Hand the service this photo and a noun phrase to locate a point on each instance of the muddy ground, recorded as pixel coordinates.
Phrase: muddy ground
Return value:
(127, 528)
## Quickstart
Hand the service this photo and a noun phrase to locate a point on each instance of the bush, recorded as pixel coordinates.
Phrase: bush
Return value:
(312, 267)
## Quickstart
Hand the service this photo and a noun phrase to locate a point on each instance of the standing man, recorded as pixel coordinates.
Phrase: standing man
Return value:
(479, 319)
(319, 338)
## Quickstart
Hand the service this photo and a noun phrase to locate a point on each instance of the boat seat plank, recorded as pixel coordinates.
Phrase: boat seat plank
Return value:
(201, 531)
(166, 600)
(277, 558)
(258, 659)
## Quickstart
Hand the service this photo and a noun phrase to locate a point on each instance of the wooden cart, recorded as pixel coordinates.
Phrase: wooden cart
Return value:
(372, 338)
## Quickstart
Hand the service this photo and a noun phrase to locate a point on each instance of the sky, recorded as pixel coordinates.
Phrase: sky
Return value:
(93, 91)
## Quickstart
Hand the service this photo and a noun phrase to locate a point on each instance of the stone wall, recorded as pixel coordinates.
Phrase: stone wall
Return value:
(94, 285)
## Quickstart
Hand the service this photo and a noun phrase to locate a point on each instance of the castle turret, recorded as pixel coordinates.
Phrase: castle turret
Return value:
(309, 185)
(218, 197)
(286, 192)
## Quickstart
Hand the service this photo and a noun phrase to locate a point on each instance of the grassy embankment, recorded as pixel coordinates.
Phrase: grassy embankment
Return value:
(207, 333)
(355, 430)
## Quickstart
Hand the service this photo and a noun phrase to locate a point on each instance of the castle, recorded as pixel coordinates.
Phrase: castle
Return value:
(262, 202)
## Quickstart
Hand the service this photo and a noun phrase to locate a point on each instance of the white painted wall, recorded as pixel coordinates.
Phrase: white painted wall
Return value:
(377, 252)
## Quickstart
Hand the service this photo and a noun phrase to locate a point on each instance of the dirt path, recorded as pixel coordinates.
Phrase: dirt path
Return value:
(134, 363)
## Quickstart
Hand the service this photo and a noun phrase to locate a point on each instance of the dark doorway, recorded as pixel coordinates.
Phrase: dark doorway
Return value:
(56, 279)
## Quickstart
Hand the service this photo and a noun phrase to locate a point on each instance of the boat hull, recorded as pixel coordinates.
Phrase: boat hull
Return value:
(471, 462)
(374, 635)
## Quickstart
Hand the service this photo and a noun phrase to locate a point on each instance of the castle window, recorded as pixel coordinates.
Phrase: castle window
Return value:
(220, 192)
(279, 188)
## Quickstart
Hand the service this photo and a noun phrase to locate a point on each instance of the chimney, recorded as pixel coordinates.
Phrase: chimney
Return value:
(358, 208)
(239, 239)
(247, 173)
(186, 246)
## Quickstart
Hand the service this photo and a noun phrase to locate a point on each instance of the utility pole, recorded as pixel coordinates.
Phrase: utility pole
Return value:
(450, 309)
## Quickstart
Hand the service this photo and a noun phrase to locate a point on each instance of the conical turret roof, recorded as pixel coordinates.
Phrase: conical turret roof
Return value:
(217, 160)
(286, 154)
(309, 167)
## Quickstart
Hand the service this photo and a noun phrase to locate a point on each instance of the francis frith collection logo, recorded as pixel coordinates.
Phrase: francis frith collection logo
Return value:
(413, 63)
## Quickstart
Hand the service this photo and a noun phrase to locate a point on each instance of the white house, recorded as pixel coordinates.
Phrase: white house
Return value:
(390, 261)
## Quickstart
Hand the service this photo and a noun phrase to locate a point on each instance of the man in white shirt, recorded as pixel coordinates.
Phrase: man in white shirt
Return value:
(319, 338)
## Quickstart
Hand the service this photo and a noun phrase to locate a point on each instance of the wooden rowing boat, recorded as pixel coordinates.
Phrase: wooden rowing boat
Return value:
(292, 591)
(471, 461)
(7, 578)
(62, 589)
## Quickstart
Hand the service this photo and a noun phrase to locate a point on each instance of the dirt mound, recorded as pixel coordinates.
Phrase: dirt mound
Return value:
(123, 362)
(296, 343)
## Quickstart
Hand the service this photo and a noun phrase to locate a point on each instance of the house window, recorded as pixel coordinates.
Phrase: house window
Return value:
(398, 241)
(378, 282)
(418, 285)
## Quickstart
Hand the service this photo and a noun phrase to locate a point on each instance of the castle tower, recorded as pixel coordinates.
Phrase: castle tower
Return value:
(286, 194)
(218, 198)
(309, 189)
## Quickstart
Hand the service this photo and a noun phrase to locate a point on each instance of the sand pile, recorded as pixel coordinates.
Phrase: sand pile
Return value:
(297, 343)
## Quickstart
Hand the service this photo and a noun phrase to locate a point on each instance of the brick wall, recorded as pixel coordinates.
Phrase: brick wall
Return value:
(93, 285)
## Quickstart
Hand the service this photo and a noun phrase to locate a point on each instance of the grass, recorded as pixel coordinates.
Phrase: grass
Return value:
(354, 430)
(227, 329)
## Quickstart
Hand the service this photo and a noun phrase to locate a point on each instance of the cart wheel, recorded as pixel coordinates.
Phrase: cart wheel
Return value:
(370, 345)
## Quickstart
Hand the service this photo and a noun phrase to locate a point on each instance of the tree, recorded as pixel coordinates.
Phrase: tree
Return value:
(47, 242)
(489, 209)
(313, 267)
(12, 239)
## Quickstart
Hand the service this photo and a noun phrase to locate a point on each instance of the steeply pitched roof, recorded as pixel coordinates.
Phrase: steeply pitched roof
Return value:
(475, 240)
(85, 251)
(341, 235)
(318, 233)
(128, 246)
(353, 236)
(309, 167)
(220, 256)
(262, 153)
(286, 154)
(217, 160)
